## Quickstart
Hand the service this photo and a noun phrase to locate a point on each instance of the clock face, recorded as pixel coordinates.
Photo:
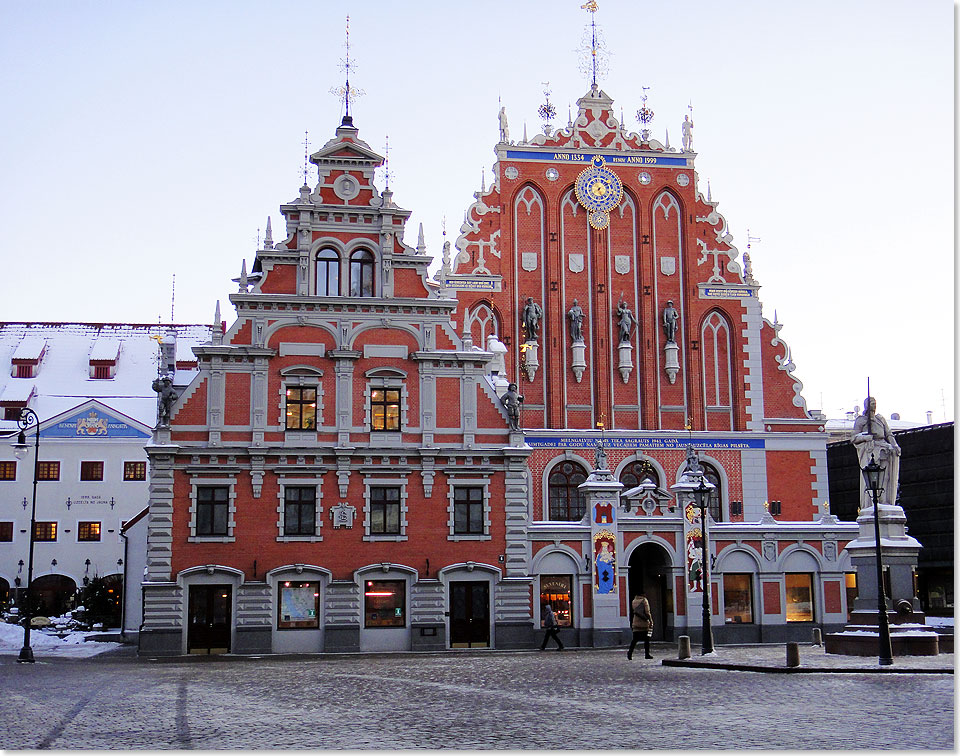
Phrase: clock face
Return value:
(598, 188)
(644, 178)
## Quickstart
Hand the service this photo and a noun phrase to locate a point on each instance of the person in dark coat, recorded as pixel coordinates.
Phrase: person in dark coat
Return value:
(551, 627)
(641, 624)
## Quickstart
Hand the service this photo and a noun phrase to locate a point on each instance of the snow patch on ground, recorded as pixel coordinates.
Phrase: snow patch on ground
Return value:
(73, 644)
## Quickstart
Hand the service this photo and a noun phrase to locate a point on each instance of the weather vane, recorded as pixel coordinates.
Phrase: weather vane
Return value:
(645, 116)
(386, 164)
(306, 159)
(593, 52)
(346, 93)
(547, 111)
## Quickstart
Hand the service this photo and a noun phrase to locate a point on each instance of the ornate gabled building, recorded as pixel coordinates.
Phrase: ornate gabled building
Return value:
(343, 474)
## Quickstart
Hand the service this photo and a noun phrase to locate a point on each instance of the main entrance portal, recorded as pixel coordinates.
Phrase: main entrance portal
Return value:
(209, 614)
(649, 572)
(469, 614)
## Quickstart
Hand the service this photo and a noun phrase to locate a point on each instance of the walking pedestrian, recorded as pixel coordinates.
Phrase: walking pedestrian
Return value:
(641, 624)
(551, 627)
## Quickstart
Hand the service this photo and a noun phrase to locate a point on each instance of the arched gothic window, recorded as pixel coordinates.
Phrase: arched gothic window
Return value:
(566, 502)
(361, 273)
(328, 273)
(481, 322)
(716, 495)
(636, 472)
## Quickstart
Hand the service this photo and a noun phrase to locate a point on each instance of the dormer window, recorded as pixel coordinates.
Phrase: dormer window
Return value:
(328, 273)
(361, 273)
(103, 358)
(14, 398)
(26, 358)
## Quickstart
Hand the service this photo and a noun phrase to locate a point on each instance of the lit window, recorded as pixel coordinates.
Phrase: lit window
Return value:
(850, 585)
(8, 470)
(299, 510)
(799, 596)
(44, 531)
(557, 590)
(134, 470)
(737, 599)
(385, 510)
(88, 531)
(384, 603)
(385, 409)
(298, 605)
(468, 510)
(328, 273)
(301, 408)
(91, 471)
(48, 471)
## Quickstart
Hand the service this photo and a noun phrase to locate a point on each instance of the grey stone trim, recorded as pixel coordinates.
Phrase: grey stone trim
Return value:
(160, 518)
(516, 508)
(254, 606)
(427, 599)
(342, 605)
(512, 600)
(252, 640)
(818, 458)
(753, 477)
(162, 606)
(341, 638)
(753, 364)
(160, 643)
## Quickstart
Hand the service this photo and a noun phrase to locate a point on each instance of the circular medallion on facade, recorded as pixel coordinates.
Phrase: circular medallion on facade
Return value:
(511, 172)
(644, 178)
(599, 190)
(553, 174)
(346, 187)
(683, 179)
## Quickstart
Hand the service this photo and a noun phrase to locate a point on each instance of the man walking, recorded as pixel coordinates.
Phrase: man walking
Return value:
(641, 624)
(551, 627)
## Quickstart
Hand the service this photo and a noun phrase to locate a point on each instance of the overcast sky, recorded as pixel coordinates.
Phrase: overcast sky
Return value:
(146, 139)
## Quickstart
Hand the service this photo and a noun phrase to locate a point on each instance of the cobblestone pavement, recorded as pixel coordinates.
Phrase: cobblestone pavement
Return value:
(577, 699)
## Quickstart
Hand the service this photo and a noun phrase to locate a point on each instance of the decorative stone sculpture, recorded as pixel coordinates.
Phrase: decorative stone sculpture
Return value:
(625, 319)
(872, 438)
(504, 129)
(671, 320)
(625, 348)
(511, 402)
(687, 128)
(532, 313)
(671, 352)
(166, 396)
(575, 314)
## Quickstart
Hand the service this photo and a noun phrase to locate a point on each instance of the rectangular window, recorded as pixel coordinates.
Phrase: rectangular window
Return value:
(88, 531)
(298, 606)
(24, 371)
(799, 587)
(301, 408)
(850, 585)
(12, 413)
(557, 590)
(385, 409)
(385, 510)
(384, 603)
(134, 470)
(6, 531)
(737, 599)
(48, 471)
(44, 531)
(8, 470)
(91, 471)
(299, 510)
(212, 510)
(101, 372)
(468, 510)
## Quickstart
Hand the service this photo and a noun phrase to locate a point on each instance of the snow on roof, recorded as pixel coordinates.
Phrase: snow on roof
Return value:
(30, 348)
(17, 390)
(63, 378)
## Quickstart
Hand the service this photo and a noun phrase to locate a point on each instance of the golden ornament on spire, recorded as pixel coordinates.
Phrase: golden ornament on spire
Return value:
(590, 6)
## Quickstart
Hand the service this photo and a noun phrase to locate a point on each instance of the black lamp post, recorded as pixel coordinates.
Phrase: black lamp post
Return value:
(28, 418)
(702, 494)
(872, 474)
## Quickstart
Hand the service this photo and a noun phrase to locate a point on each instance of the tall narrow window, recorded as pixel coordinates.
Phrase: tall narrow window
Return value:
(557, 590)
(567, 503)
(737, 598)
(799, 587)
(328, 273)
(212, 510)
(361, 274)
(385, 510)
(716, 495)
(385, 409)
(301, 407)
(299, 510)
(468, 510)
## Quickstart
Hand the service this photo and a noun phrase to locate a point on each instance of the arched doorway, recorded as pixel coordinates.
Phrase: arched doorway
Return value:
(649, 571)
(5, 595)
(53, 595)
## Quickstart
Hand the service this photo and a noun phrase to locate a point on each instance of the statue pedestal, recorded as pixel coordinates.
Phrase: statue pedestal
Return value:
(626, 360)
(672, 363)
(579, 362)
(531, 359)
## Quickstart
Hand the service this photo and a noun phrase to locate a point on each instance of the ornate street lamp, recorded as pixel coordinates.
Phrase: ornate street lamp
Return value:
(872, 475)
(28, 418)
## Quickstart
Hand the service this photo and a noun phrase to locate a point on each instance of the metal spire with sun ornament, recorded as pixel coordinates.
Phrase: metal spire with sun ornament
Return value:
(347, 94)
(594, 56)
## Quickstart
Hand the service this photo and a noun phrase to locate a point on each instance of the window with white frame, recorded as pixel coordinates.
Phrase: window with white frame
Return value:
(385, 510)
(328, 273)
(300, 513)
(212, 509)
(386, 401)
(468, 510)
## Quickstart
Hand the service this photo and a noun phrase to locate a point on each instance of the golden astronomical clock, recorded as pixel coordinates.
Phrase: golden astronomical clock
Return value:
(599, 191)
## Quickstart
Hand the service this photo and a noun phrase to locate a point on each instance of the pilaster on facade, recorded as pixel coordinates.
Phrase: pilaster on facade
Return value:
(511, 600)
(517, 496)
(427, 602)
(343, 603)
(160, 517)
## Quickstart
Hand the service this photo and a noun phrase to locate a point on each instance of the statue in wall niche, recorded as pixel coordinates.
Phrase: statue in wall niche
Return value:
(600, 456)
(625, 319)
(575, 314)
(532, 313)
(504, 129)
(166, 396)
(671, 320)
(511, 402)
(872, 437)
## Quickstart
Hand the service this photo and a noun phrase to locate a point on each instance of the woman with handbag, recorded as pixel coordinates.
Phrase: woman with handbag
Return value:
(641, 624)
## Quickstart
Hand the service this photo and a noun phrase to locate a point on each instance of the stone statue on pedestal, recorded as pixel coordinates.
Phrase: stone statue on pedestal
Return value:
(166, 396)
(671, 318)
(872, 438)
(575, 314)
(532, 313)
(511, 402)
(625, 320)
